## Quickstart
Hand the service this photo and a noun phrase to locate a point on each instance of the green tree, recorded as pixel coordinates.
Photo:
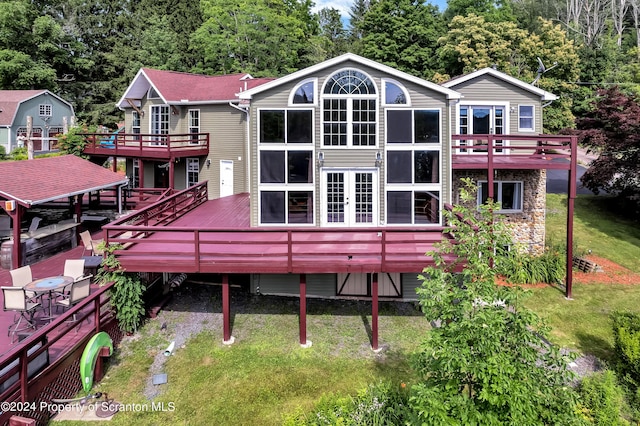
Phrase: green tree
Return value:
(402, 34)
(263, 37)
(333, 32)
(181, 19)
(488, 362)
(19, 71)
(491, 10)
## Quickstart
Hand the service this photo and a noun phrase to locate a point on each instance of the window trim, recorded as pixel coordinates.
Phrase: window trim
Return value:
(189, 169)
(383, 98)
(286, 142)
(533, 118)
(292, 94)
(498, 196)
(45, 110)
(413, 143)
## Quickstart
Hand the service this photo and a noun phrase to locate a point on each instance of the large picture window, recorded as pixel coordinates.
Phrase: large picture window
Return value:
(413, 207)
(413, 126)
(286, 126)
(508, 194)
(286, 207)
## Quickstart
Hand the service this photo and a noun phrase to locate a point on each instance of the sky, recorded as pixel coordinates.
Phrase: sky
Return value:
(344, 5)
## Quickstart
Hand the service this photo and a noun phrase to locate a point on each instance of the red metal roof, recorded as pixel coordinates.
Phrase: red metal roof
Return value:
(36, 181)
(176, 86)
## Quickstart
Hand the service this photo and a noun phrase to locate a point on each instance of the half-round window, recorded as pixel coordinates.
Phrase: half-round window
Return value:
(304, 93)
(395, 93)
(349, 82)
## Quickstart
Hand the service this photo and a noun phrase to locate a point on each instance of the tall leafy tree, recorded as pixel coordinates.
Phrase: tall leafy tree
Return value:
(264, 37)
(491, 10)
(181, 18)
(109, 35)
(612, 129)
(402, 34)
(333, 31)
(488, 362)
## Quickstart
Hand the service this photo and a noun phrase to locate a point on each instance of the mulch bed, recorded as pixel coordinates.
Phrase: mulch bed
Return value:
(611, 273)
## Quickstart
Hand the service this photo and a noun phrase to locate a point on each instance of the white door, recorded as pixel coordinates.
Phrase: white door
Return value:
(350, 197)
(226, 178)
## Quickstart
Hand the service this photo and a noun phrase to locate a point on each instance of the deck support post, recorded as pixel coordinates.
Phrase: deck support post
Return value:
(16, 253)
(226, 320)
(303, 312)
(172, 173)
(571, 192)
(374, 311)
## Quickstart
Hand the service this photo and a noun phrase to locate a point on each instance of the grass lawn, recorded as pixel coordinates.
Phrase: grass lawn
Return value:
(266, 375)
(596, 228)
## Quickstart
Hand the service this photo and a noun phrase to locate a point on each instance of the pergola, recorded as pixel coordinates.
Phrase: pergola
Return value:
(29, 183)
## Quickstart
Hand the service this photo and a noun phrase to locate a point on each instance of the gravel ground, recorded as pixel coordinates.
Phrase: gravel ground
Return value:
(189, 312)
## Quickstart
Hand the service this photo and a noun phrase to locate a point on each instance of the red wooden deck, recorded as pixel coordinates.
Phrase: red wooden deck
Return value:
(215, 237)
(160, 147)
(48, 267)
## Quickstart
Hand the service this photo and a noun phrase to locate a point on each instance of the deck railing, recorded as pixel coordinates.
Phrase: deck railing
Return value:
(167, 208)
(486, 149)
(142, 145)
(274, 250)
(59, 378)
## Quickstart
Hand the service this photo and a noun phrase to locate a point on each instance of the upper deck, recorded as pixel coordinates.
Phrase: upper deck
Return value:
(150, 146)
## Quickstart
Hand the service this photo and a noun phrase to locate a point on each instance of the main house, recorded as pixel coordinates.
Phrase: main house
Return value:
(50, 115)
(334, 176)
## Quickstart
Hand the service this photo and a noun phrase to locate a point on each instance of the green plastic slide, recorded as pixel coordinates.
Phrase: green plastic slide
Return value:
(90, 356)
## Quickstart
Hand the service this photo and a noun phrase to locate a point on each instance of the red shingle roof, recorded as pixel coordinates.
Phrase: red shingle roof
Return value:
(176, 86)
(32, 182)
(9, 102)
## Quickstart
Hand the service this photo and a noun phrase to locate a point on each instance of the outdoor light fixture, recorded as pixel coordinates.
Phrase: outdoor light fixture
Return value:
(321, 158)
(208, 162)
(378, 159)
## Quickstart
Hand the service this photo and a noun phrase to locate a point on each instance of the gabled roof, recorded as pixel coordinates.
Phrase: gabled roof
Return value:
(544, 95)
(181, 88)
(32, 182)
(10, 100)
(450, 94)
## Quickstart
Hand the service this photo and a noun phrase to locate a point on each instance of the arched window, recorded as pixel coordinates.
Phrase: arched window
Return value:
(304, 93)
(349, 110)
(349, 82)
(394, 93)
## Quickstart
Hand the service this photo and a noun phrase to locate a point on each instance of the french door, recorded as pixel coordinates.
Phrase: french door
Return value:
(350, 197)
(481, 120)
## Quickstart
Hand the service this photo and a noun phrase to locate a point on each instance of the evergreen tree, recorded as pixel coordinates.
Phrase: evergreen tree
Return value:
(402, 34)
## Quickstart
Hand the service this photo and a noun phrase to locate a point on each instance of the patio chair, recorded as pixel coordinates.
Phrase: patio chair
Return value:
(79, 291)
(21, 277)
(90, 244)
(72, 268)
(15, 299)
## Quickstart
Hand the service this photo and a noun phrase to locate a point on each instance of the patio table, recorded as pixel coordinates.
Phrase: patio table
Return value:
(49, 285)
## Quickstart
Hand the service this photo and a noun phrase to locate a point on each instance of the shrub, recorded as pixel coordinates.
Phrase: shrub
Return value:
(3, 152)
(127, 291)
(523, 268)
(626, 336)
(72, 142)
(18, 154)
(603, 399)
(379, 404)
